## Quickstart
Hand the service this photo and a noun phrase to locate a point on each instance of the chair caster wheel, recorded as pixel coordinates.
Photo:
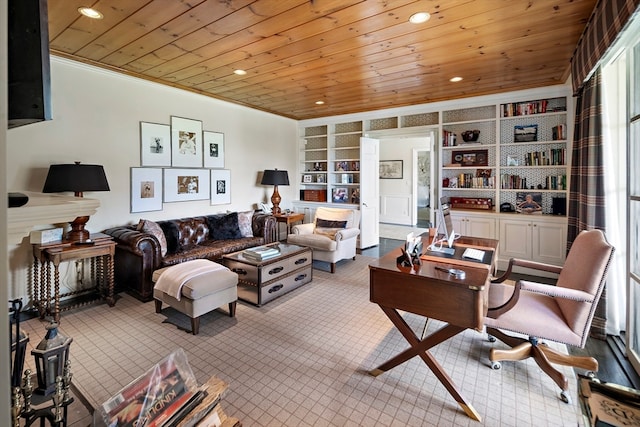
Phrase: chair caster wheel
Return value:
(491, 338)
(495, 366)
(565, 397)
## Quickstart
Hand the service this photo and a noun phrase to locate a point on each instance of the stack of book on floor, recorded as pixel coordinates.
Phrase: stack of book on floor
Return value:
(261, 253)
(167, 395)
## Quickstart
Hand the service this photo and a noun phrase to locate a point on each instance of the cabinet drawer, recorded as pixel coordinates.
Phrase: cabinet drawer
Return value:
(267, 272)
(259, 295)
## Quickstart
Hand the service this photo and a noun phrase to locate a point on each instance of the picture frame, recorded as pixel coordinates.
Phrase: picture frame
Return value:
(186, 142)
(213, 149)
(182, 185)
(320, 178)
(306, 178)
(525, 133)
(529, 202)
(220, 186)
(390, 169)
(146, 189)
(471, 158)
(340, 195)
(155, 144)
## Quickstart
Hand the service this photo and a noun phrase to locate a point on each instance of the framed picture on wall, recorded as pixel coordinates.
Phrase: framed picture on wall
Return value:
(213, 149)
(181, 185)
(391, 169)
(220, 186)
(186, 142)
(155, 144)
(146, 189)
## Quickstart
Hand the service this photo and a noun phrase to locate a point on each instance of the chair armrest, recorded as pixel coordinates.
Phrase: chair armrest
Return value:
(347, 233)
(555, 291)
(303, 228)
(527, 264)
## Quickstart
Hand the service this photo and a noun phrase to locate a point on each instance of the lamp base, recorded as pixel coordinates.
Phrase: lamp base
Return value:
(78, 233)
(275, 200)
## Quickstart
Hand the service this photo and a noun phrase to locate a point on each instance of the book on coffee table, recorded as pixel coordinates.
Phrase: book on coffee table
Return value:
(261, 253)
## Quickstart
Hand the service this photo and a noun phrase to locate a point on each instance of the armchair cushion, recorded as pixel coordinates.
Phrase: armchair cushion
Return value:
(329, 228)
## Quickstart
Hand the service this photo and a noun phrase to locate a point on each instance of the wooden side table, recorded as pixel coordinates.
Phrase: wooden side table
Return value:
(101, 254)
(289, 219)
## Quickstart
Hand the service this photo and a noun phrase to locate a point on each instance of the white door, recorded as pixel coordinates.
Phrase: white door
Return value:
(369, 192)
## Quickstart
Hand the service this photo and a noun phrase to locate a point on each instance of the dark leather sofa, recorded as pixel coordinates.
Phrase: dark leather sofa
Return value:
(139, 253)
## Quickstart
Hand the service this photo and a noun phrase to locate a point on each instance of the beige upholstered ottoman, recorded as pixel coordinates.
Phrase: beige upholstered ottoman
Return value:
(195, 288)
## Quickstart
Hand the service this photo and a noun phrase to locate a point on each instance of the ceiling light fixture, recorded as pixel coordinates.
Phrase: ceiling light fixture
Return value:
(90, 13)
(240, 72)
(319, 102)
(455, 79)
(419, 18)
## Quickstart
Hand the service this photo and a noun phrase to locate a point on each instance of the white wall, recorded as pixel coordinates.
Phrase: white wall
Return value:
(396, 195)
(96, 119)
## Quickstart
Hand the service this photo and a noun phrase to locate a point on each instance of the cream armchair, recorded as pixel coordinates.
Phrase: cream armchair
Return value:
(332, 235)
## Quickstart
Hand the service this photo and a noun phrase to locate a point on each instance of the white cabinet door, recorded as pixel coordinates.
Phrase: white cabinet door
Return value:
(533, 239)
(549, 242)
(473, 225)
(515, 239)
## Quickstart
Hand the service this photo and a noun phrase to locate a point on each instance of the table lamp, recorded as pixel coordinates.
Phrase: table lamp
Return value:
(77, 178)
(275, 177)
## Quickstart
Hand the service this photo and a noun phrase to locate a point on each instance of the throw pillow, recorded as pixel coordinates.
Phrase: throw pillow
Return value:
(224, 227)
(329, 228)
(244, 223)
(146, 226)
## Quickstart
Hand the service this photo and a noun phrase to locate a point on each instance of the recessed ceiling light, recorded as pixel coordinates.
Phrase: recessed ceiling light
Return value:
(419, 18)
(455, 79)
(319, 102)
(240, 72)
(90, 13)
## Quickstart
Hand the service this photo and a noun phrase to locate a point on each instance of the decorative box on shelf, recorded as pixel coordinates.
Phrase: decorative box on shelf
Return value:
(483, 203)
(41, 237)
(313, 195)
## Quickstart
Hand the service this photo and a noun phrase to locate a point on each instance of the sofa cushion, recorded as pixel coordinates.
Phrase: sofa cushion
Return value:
(315, 241)
(224, 226)
(171, 234)
(244, 223)
(147, 226)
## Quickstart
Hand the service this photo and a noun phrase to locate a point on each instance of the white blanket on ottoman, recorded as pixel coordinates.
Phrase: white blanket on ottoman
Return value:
(174, 278)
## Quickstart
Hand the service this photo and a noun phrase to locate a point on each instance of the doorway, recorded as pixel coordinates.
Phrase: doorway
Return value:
(422, 186)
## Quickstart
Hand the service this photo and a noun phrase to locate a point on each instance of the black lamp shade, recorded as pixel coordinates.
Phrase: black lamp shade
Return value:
(275, 177)
(75, 177)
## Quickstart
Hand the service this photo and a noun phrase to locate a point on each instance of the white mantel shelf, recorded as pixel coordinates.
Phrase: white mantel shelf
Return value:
(44, 209)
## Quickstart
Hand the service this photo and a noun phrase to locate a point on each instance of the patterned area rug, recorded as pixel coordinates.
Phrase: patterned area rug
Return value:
(303, 360)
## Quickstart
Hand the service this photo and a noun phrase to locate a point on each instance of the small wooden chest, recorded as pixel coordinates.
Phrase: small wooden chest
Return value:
(262, 281)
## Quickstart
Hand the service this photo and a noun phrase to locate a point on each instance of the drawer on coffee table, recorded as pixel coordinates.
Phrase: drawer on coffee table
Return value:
(265, 272)
(270, 290)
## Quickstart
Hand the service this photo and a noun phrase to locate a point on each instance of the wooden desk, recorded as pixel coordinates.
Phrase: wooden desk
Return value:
(423, 290)
(289, 219)
(101, 254)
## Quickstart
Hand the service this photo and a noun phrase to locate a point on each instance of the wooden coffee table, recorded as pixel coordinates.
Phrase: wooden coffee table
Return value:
(262, 281)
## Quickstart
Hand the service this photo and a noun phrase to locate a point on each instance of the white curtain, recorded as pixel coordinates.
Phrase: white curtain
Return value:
(615, 164)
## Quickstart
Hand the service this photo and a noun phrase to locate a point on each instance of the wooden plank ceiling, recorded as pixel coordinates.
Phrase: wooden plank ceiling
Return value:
(355, 55)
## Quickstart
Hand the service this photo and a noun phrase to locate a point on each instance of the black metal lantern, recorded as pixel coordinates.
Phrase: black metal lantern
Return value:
(19, 340)
(50, 355)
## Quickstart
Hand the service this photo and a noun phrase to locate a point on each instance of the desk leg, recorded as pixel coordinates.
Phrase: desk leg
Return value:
(421, 348)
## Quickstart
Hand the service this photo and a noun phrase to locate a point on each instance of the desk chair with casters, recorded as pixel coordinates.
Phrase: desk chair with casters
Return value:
(560, 313)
